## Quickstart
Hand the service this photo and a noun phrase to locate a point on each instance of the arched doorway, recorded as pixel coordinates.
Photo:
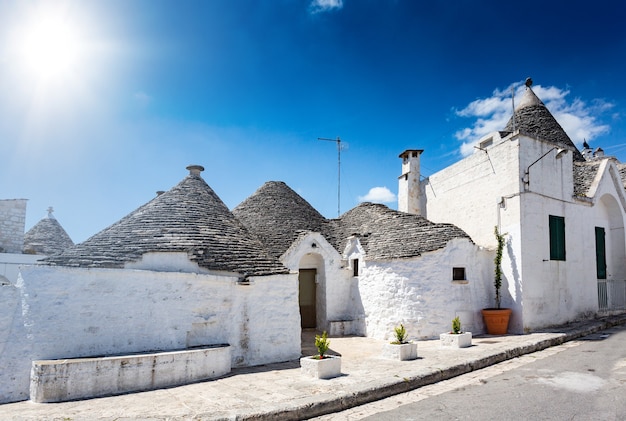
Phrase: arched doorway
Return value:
(307, 294)
(311, 291)
(610, 247)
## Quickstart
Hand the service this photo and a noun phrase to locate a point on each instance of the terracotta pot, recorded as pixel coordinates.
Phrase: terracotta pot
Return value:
(496, 320)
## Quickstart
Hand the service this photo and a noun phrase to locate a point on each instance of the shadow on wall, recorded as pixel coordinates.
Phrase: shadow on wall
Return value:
(516, 324)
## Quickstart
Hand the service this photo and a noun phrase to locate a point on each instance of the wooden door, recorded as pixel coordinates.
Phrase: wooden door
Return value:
(307, 296)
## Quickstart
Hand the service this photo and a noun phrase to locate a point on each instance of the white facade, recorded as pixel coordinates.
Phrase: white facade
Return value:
(516, 183)
(421, 294)
(59, 312)
(339, 310)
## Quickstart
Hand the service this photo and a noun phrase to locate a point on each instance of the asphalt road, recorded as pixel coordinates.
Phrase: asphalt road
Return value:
(579, 380)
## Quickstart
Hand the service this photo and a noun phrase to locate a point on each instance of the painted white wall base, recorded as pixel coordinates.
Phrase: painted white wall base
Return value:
(456, 340)
(402, 352)
(327, 368)
(80, 378)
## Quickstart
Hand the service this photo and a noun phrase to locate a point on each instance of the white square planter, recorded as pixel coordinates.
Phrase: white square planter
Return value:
(402, 352)
(456, 340)
(327, 368)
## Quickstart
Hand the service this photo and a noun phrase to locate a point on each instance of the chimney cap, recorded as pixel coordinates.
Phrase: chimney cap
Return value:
(195, 169)
(410, 152)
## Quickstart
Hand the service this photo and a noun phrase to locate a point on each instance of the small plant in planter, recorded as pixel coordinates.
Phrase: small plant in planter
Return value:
(400, 348)
(497, 319)
(456, 337)
(322, 343)
(321, 366)
(400, 334)
(456, 325)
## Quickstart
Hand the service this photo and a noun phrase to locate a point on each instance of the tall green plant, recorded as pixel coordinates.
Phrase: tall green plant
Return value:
(498, 265)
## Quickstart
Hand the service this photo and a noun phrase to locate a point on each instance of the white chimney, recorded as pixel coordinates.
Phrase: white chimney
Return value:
(409, 182)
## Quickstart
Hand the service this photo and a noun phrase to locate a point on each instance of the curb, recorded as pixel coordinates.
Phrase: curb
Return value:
(341, 403)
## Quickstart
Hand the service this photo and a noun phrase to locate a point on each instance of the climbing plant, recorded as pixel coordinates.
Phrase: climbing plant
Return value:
(498, 265)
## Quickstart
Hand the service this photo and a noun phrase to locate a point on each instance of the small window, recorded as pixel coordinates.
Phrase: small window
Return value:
(486, 143)
(355, 267)
(557, 237)
(458, 274)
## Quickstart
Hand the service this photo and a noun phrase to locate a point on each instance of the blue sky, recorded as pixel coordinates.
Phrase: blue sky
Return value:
(125, 94)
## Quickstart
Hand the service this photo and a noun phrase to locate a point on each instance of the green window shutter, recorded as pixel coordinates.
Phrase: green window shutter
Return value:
(557, 237)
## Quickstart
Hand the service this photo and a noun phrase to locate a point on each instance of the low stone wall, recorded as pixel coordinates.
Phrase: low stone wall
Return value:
(346, 327)
(81, 378)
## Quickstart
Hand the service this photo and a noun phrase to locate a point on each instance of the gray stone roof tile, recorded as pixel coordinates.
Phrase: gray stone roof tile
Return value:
(276, 215)
(385, 233)
(532, 118)
(189, 218)
(584, 174)
(47, 237)
(622, 173)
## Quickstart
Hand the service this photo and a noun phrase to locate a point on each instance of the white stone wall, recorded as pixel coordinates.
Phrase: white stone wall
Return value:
(337, 291)
(467, 194)
(420, 293)
(514, 186)
(10, 264)
(57, 312)
(12, 222)
(557, 292)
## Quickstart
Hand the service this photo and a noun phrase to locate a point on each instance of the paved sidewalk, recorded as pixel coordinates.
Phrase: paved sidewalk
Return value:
(280, 392)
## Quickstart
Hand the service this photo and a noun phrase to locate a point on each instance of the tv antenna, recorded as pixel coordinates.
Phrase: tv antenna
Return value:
(338, 141)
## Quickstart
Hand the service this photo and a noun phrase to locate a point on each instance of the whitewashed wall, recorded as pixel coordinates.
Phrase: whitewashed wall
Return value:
(557, 292)
(420, 293)
(56, 312)
(467, 193)
(491, 188)
(10, 265)
(337, 290)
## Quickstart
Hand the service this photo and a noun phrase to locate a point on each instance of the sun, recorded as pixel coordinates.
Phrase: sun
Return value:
(48, 47)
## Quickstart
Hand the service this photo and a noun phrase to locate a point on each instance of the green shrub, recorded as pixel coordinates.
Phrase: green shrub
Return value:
(400, 333)
(456, 325)
(322, 343)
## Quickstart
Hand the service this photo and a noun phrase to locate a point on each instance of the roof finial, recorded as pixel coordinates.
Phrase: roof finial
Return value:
(195, 169)
(529, 82)
(50, 210)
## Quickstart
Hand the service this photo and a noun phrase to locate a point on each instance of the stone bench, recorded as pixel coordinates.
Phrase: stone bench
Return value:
(81, 378)
(346, 327)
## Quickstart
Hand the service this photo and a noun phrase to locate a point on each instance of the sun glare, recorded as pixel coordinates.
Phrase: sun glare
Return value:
(48, 48)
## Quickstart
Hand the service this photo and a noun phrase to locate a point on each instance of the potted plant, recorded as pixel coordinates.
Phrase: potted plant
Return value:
(321, 366)
(497, 319)
(400, 348)
(456, 337)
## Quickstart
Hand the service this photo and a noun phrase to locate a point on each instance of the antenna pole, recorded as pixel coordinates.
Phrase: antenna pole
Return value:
(338, 141)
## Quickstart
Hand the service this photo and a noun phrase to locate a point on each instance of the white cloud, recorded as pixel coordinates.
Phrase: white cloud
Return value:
(378, 195)
(320, 6)
(578, 118)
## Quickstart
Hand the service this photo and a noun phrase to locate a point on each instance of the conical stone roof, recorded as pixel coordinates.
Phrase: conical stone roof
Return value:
(188, 218)
(276, 215)
(47, 237)
(532, 118)
(385, 233)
